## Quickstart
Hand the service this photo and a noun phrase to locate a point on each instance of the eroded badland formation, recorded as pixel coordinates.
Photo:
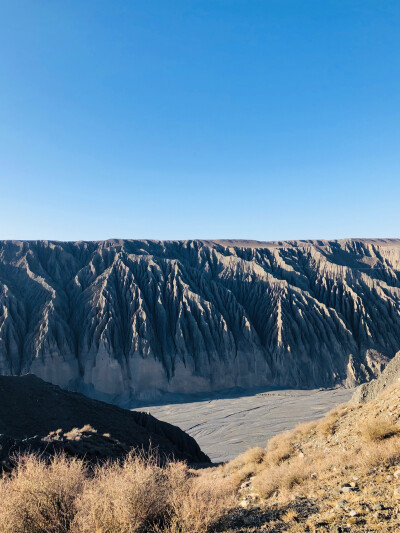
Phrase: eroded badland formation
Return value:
(136, 319)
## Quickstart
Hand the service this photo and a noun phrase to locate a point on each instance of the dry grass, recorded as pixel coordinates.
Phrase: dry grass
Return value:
(299, 463)
(290, 516)
(295, 478)
(301, 472)
(200, 504)
(243, 466)
(327, 426)
(282, 478)
(378, 429)
(251, 456)
(39, 498)
(139, 495)
(123, 498)
(279, 449)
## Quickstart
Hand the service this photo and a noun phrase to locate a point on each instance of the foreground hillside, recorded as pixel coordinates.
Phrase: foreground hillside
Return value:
(338, 474)
(121, 319)
(341, 473)
(39, 417)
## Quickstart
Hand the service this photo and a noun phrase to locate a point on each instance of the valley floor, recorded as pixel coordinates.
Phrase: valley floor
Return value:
(228, 424)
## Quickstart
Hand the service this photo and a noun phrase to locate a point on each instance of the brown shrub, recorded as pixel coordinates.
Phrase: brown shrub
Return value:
(290, 517)
(40, 497)
(199, 504)
(327, 426)
(138, 495)
(280, 448)
(375, 453)
(305, 429)
(123, 498)
(281, 478)
(244, 465)
(379, 429)
(252, 456)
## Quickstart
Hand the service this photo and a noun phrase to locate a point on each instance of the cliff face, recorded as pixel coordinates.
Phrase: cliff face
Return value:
(135, 318)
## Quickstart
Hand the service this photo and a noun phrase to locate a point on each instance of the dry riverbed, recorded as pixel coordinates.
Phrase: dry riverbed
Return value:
(227, 424)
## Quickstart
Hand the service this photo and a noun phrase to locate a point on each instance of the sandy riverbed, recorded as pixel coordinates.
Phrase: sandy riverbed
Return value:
(227, 424)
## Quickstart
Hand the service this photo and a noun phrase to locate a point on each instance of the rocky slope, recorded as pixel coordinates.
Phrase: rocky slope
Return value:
(369, 391)
(338, 474)
(124, 319)
(40, 417)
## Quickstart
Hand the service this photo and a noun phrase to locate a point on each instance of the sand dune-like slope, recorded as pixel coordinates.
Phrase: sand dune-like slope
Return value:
(125, 318)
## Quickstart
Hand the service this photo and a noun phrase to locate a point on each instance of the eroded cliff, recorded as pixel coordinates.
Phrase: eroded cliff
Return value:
(130, 318)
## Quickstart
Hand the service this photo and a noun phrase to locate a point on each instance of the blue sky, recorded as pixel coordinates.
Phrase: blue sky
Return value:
(261, 119)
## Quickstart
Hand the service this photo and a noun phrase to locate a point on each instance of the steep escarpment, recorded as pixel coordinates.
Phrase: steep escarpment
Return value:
(124, 318)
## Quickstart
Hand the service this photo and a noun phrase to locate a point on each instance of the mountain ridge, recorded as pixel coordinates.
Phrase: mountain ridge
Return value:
(137, 318)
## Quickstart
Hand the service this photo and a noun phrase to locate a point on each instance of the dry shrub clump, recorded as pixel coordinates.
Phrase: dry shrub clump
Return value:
(279, 449)
(379, 429)
(243, 466)
(76, 433)
(137, 495)
(199, 503)
(281, 478)
(375, 453)
(327, 426)
(290, 516)
(40, 497)
(287, 468)
(123, 498)
(251, 456)
(270, 468)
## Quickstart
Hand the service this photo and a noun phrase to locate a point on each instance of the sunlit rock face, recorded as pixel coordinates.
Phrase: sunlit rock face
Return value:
(136, 319)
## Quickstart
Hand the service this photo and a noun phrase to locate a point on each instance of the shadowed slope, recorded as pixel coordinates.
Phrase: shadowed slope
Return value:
(34, 410)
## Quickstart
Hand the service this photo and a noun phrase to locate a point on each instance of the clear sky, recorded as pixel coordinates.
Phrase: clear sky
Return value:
(178, 119)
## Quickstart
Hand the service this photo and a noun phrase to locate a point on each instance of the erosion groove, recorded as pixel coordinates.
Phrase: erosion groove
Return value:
(138, 318)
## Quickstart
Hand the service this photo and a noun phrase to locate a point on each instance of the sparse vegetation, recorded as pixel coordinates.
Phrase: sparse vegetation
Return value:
(297, 480)
(199, 503)
(339, 472)
(123, 498)
(65, 496)
(281, 478)
(327, 426)
(379, 429)
(39, 497)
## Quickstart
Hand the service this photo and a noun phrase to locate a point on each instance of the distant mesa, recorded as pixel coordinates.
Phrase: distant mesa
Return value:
(126, 320)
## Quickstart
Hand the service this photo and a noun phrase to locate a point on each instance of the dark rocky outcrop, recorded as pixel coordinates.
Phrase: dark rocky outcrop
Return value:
(40, 417)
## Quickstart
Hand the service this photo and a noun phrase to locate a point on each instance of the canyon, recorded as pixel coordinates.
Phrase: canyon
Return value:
(135, 320)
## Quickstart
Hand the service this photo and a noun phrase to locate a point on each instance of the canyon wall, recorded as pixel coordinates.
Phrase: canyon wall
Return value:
(126, 319)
